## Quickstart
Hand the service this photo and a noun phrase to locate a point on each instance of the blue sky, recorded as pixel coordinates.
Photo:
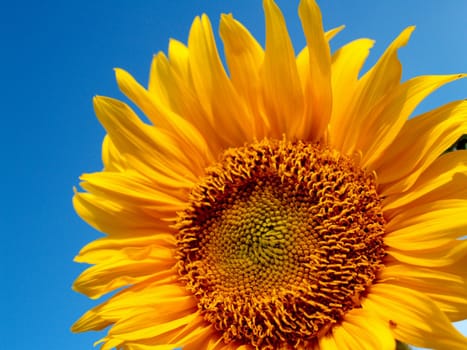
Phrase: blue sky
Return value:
(55, 56)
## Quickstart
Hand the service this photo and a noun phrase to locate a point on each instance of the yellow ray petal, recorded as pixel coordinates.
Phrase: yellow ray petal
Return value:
(344, 339)
(124, 188)
(360, 330)
(244, 58)
(447, 290)
(318, 93)
(445, 178)
(186, 135)
(177, 93)
(194, 333)
(243, 53)
(139, 346)
(434, 224)
(426, 211)
(109, 343)
(168, 300)
(388, 117)
(346, 65)
(198, 336)
(179, 57)
(328, 342)
(330, 34)
(104, 249)
(90, 321)
(303, 58)
(406, 312)
(145, 325)
(179, 62)
(159, 82)
(119, 220)
(111, 158)
(458, 267)
(121, 271)
(303, 67)
(131, 136)
(214, 89)
(373, 86)
(181, 97)
(438, 256)
(422, 140)
(203, 335)
(281, 89)
(177, 186)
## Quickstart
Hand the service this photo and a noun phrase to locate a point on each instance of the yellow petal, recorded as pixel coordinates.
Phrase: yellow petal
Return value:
(109, 343)
(200, 334)
(145, 325)
(166, 302)
(179, 60)
(303, 58)
(438, 256)
(151, 146)
(431, 224)
(361, 330)
(139, 346)
(422, 140)
(104, 249)
(346, 65)
(458, 266)
(156, 317)
(303, 67)
(373, 86)
(388, 117)
(123, 188)
(318, 91)
(328, 342)
(344, 339)
(159, 79)
(118, 220)
(120, 271)
(198, 337)
(185, 134)
(214, 89)
(330, 34)
(447, 290)
(170, 301)
(445, 178)
(407, 311)
(162, 75)
(244, 58)
(176, 91)
(282, 93)
(112, 159)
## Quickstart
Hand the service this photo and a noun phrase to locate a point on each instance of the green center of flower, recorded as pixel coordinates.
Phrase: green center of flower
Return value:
(281, 239)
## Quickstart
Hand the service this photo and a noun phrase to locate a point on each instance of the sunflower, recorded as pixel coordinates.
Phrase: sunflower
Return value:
(288, 204)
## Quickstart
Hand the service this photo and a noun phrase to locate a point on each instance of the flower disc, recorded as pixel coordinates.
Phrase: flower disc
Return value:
(280, 240)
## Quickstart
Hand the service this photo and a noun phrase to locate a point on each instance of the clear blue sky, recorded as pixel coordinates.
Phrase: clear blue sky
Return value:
(56, 55)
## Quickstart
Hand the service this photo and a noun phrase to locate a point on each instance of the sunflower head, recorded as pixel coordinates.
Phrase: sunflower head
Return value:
(280, 234)
(288, 204)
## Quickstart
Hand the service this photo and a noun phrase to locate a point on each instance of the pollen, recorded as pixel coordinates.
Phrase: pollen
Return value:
(280, 240)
